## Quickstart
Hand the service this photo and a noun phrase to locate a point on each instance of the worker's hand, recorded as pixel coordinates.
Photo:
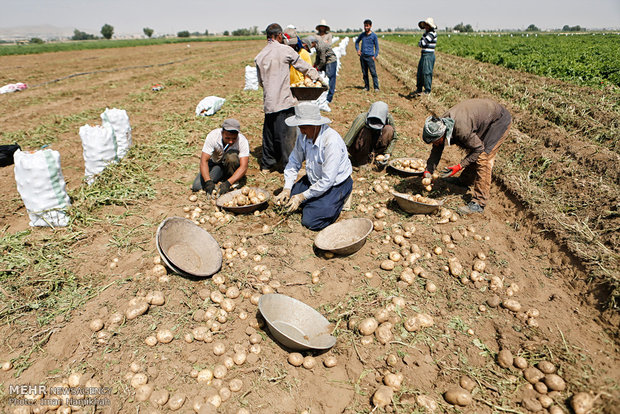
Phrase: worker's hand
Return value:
(382, 160)
(295, 202)
(359, 53)
(427, 175)
(209, 186)
(225, 187)
(283, 197)
(450, 171)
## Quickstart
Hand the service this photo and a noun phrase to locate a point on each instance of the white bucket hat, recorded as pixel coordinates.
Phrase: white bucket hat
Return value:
(323, 23)
(429, 21)
(307, 113)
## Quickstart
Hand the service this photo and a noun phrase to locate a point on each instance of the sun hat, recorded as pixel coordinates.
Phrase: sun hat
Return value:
(231, 125)
(307, 113)
(435, 128)
(429, 21)
(324, 24)
(290, 37)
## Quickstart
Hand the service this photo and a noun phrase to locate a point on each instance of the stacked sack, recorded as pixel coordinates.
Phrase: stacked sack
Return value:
(106, 143)
(41, 185)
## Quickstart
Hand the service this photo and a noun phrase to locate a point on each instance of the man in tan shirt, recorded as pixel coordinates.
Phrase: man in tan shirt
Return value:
(272, 66)
(478, 126)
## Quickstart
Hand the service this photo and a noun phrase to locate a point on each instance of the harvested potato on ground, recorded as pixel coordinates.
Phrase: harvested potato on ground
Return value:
(456, 395)
(382, 396)
(582, 403)
(504, 358)
(368, 326)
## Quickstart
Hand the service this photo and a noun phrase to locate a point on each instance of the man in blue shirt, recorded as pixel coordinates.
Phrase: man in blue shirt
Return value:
(368, 53)
(323, 191)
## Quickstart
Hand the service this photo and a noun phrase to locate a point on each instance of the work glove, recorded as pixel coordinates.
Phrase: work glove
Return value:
(283, 197)
(225, 187)
(383, 162)
(295, 202)
(450, 171)
(427, 175)
(209, 186)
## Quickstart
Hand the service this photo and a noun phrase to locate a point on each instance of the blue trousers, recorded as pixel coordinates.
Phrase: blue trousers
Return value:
(368, 64)
(330, 71)
(318, 213)
(425, 72)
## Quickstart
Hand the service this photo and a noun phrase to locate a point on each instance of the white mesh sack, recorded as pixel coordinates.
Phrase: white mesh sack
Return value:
(209, 105)
(41, 185)
(99, 149)
(251, 79)
(119, 121)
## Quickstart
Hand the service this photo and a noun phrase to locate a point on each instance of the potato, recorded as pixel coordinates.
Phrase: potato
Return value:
(546, 367)
(384, 333)
(309, 362)
(368, 326)
(136, 308)
(554, 409)
(295, 359)
(554, 382)
(235, 385)
(467, 383)
(143, 392)
(533, 375)
(531, 404)
(164, 336)
(156, 298)
(96, 325)
(456, 395)
(220, 371)
(520, 362)
(387, 265)
(426, 181)
(511, 305)
(393, 381)
(382, 396)
(160, 397)
(206, 375)
(582, 403)
(418, 322)
(479, 265)
(330, 362)
(504, 358)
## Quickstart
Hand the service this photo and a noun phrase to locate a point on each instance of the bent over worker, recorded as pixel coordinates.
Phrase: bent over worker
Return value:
(479, 126)
(323, 191)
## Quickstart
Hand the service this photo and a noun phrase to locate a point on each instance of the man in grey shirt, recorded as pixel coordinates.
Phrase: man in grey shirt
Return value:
(273, 68)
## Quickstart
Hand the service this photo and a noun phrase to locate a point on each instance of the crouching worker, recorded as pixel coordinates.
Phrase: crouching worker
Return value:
(323, 191)
(225, 157)
(372, 136)
(478, 126)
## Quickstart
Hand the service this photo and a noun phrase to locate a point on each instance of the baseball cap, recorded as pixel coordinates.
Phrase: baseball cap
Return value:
(231, 125)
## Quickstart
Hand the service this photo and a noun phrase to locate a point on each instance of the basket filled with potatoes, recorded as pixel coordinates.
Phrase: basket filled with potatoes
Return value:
(407, 166)
(244, 200)
(307, 90)
(416, 204)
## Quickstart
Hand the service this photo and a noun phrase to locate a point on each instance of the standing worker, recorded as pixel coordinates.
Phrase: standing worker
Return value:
(325, 188)
(323, 33)
(368, 54)
(326, 60)
(479, 126)
(291, 39)
(272, 66)
(427, 60)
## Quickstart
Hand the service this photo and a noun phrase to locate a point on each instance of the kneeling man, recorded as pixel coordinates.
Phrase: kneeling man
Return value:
(323, 191)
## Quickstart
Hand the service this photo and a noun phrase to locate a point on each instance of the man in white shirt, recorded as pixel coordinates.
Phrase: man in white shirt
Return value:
(323, 191)
(225, 157)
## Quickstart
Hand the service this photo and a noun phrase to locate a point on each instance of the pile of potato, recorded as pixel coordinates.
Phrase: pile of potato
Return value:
(415, 165)
(248, 197)
(308, 83)
(421, 199)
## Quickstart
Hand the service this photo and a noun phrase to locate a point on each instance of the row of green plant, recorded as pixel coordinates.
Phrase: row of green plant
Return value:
(592, 59)
(36, 48)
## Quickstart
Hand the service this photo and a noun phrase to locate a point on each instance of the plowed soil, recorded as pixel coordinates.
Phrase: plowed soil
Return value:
(562, 317)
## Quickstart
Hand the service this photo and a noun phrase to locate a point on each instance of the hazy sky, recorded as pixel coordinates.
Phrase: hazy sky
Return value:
(171, 16)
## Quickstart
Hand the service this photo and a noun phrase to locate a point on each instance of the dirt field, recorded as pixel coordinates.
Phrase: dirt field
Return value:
(549, 235)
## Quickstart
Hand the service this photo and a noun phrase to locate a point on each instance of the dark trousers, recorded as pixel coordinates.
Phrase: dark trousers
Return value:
(368, 64)
(370, 142)
(318, 213)
(330, 71)
(425, 72)
(277, 137)
(219, 171)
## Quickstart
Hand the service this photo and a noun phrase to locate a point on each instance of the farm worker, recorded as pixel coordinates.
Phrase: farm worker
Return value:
(326, 60)
(323, 33)
(272, 66)
(225, 156)
(368, 54)
(371, 134)
(325, 188)
(428, 42)
(479, 126)
(291, 39)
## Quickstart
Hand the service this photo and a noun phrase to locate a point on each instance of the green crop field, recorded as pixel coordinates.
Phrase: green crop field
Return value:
(586, 59)
(31, 49)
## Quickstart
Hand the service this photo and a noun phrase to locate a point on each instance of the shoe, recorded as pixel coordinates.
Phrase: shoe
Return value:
(377, 89)
(470, 208)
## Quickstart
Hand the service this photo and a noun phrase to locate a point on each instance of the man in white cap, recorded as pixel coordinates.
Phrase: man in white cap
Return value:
(372, 136)
(225, 156)
(323, 191)
(428, 42)
(479, 126)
